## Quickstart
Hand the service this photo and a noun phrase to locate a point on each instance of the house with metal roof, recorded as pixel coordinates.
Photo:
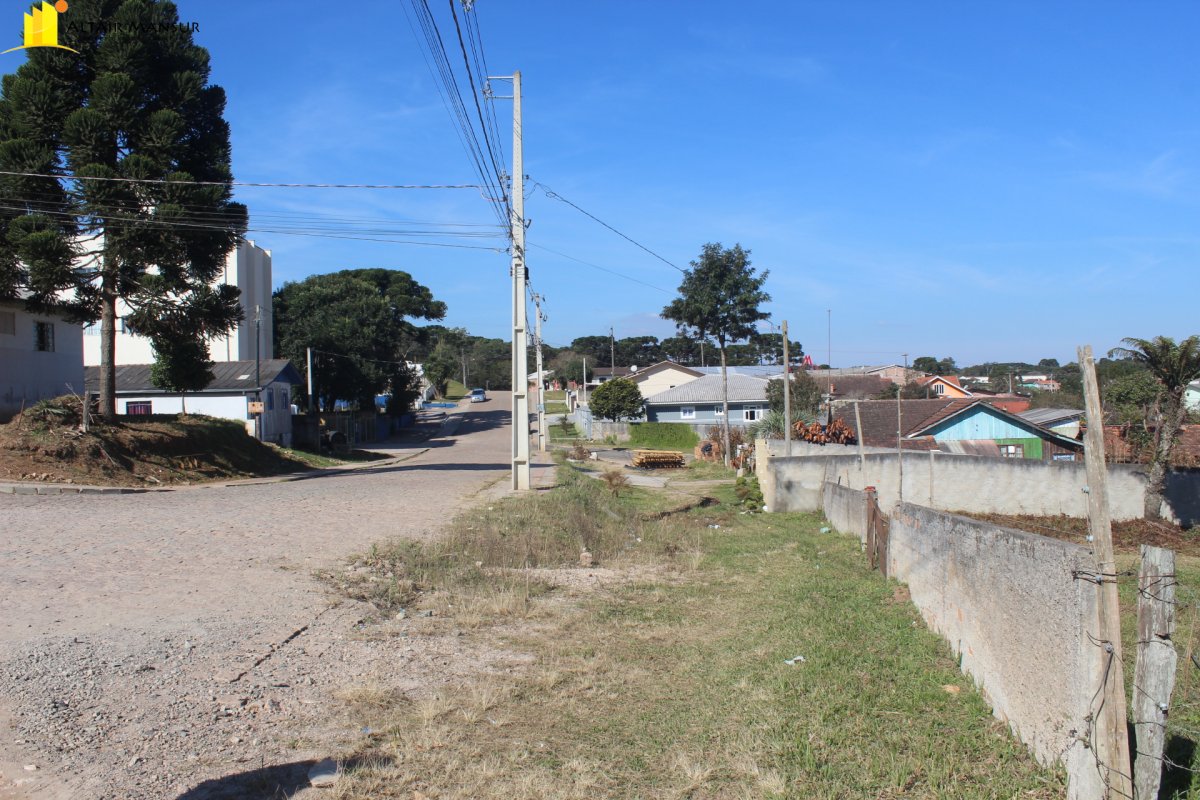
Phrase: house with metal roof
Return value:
(968, 426)
(227, 396)
(699, 402)
(1065, 421)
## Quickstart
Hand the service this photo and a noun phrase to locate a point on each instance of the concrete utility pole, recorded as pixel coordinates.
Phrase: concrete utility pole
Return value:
(1110, 736)
(312, 405)
(787, 395)
(258, 421)
(900, 434)
(520, 354)
(585, 381)
(612, 349)
(541, 395)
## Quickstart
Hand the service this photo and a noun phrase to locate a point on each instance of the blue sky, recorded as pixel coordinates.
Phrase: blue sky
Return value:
(988, 181)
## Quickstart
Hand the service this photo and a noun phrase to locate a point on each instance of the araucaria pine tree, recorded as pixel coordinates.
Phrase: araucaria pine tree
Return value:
(118, 180)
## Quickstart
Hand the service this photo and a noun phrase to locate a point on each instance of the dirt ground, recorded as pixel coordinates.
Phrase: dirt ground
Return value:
(177, 645)
(45, 444)
(1128, 536)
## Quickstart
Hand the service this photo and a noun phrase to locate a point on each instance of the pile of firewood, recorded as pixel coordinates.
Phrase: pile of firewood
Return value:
(836, 432)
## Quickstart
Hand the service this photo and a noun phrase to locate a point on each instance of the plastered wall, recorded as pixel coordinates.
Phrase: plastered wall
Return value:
(950, 482)
(1012, 610)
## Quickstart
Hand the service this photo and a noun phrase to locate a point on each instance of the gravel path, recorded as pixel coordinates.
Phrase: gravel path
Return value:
(175, 644)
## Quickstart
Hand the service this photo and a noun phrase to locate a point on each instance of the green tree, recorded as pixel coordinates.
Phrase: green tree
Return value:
(181, 365)
(617, 399)
(357, 323)
(439, 368)
(134, 134)
(1174, 366)
(805, 399)
(720, 297)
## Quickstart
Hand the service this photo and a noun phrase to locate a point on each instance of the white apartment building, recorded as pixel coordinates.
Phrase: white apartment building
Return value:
(249, 268)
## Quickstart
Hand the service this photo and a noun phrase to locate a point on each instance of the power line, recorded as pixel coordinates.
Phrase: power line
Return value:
(602, 269)
(259, 184)
(555, 196)
(118, 221)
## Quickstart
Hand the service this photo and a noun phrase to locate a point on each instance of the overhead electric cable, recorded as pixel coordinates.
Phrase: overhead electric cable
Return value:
(252, 183)
(555, 196)
(602, 269)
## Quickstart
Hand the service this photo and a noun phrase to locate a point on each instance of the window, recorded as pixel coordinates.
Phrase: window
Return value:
(939, 388)
(140, 408)
(270, 399)
(8, 323)
(1012, 450)
(687, 412)
(750, 414)
(91, 329)
(719, 411)
(284, 400)
(44, 336)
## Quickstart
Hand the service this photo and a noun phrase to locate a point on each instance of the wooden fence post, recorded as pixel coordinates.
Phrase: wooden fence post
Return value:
(1154, 674)
(1110, 738)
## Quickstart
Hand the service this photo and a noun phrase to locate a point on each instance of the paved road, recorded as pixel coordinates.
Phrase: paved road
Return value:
(226, 570)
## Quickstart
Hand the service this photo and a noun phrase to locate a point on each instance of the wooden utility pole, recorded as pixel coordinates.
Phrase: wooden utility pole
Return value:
(787, 395)
(541, 392)
(1154, 674)
(520, 325)
(1110, 738)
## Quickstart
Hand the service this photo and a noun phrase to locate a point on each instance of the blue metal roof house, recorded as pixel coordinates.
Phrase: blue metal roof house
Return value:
(699, 402)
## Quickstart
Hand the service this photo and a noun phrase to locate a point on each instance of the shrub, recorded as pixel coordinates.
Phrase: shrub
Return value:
(663, 435)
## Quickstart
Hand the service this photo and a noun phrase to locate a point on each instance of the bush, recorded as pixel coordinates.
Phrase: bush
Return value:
(663, 435)
(616, 400)
(749, 493)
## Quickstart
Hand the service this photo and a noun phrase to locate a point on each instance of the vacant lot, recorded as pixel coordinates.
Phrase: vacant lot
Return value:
(710, 653)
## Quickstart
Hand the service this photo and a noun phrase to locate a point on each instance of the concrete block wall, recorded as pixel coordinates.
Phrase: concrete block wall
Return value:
(846, 509)
(1012, 611)
(950, 482)
(1020, 622)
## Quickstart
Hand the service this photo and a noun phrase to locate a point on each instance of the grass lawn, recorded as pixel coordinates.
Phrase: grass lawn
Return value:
(670, 677)
(456, 391)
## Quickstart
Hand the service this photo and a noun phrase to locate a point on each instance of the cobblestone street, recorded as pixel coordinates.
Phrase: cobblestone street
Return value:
(122, 616)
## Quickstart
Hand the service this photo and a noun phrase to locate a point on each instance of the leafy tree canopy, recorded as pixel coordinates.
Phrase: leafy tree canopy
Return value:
(356, 321)
(805, 399)
(617, 399)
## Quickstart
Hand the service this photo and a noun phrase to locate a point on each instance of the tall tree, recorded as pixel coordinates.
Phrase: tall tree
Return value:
(1174, 366)
(357, 321)
(139, 208)
(720, 297)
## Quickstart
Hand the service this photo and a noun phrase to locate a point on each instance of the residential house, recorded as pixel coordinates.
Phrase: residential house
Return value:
(662, 376)
(699, 402)
(247, 267)
(964, 425)
(599, 375)
(41, 356)
(1191, 397)
(943, 386)
(1064, 421)
(893, 373)
(228, 396)
(1041, 384)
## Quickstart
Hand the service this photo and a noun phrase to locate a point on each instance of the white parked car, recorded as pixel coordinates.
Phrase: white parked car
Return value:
(478, 396)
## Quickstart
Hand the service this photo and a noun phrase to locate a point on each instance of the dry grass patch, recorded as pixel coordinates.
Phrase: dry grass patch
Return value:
(675, 685)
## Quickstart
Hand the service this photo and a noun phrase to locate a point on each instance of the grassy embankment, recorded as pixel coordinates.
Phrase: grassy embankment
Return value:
(46, 443)
(668, 677)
